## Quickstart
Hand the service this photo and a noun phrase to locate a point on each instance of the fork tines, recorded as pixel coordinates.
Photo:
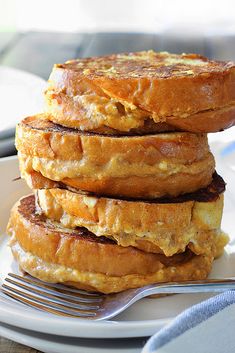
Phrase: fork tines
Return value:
(53, 298)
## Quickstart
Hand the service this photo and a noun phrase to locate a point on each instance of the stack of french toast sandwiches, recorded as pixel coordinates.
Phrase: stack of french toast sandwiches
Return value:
(125, 191)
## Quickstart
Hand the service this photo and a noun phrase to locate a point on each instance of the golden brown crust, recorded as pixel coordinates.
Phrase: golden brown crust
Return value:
(198, 267)
(123, 91)
(207, 121)
(92, 260)
(37, 136)
(137, 166)
(210, 193)
(153, 227)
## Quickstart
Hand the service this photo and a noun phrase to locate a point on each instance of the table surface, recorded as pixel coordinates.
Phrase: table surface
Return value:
(37, 52)
(7, 346)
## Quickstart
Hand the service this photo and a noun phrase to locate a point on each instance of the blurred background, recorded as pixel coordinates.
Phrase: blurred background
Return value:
(36, 34)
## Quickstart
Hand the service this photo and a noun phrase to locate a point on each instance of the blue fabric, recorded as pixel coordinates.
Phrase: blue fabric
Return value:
(189, 320)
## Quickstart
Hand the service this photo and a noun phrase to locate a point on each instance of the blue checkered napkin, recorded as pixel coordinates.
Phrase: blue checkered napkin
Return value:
(208, 327)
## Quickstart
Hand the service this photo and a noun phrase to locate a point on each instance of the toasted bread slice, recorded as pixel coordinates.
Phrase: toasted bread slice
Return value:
(55, 254)
(143, 92)
(163, 226)
(137, 166)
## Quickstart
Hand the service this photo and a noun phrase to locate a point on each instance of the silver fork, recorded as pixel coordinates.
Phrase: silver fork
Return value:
(61, 300)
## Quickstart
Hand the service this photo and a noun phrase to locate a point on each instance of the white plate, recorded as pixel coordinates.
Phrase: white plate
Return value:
(21, 95)
(60, 344)
(142, 319)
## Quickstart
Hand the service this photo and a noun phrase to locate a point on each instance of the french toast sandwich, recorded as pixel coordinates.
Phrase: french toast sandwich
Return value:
(143, 92)
(125, 190)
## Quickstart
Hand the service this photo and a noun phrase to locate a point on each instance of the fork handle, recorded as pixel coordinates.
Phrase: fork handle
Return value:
(206, 286)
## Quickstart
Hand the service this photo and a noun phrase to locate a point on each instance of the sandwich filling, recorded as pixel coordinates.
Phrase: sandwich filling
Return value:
(105, 115)
(153, 227)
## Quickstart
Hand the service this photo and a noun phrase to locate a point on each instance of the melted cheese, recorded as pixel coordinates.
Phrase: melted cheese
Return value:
(116, 167)
(117, 114)
(202, 230)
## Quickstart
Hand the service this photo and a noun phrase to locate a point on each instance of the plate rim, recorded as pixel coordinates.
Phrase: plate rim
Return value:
(22, 72)
(50, 343)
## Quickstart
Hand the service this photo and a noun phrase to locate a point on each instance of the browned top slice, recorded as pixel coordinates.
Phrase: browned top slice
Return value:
(146, 64)
(143, 92)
